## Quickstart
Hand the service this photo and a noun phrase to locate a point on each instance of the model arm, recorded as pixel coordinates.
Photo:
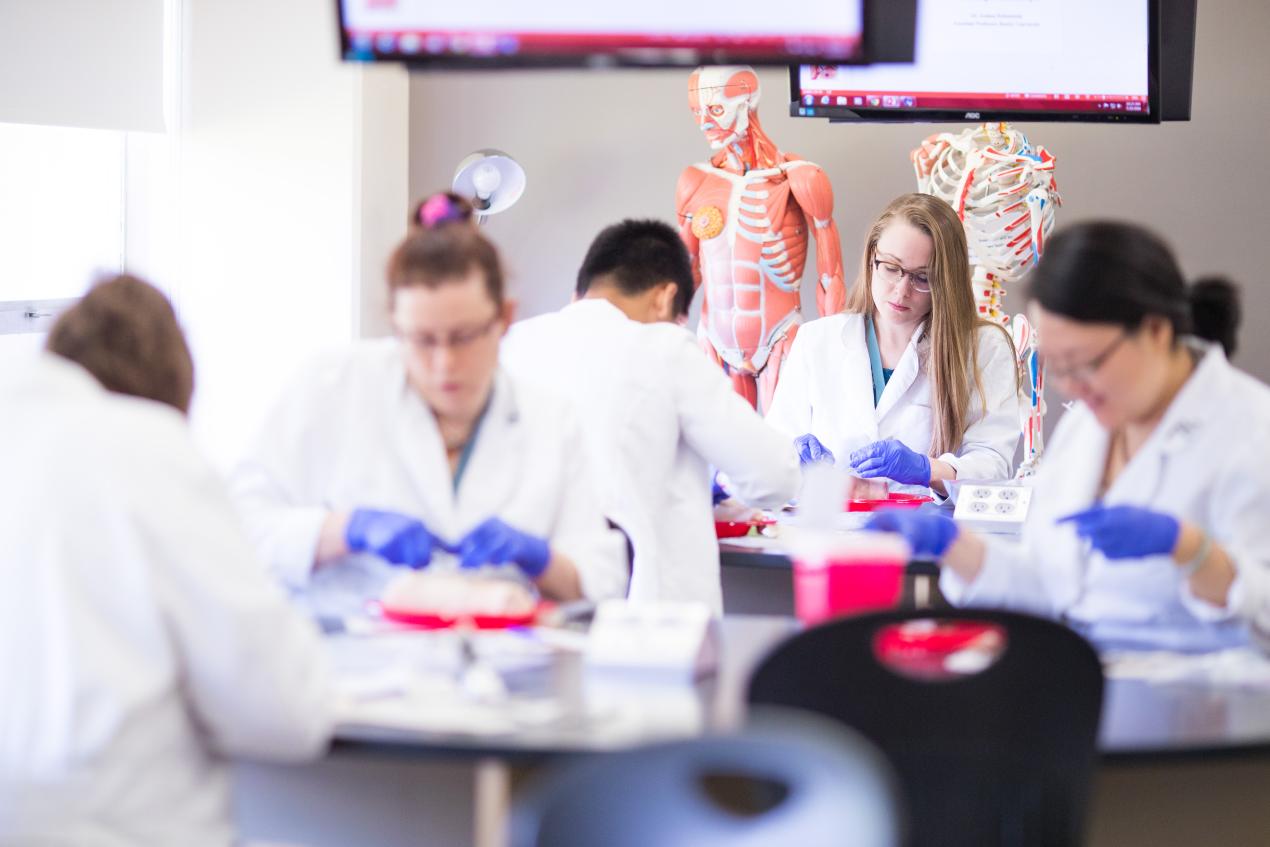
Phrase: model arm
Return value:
(790, 410)
(810, 187)
(689, 181)
(925, 157)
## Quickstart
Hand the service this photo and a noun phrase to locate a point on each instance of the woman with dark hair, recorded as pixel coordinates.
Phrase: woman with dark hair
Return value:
(397, 448)
(1148, 520)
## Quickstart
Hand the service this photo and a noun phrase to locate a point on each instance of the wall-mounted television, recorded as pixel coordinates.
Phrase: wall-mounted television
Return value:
(562, 33)
(1021, 60)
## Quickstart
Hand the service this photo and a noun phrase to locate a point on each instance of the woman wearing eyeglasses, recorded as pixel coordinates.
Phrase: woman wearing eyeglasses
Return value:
(384, 454)
(1148, 524)
(908, 383)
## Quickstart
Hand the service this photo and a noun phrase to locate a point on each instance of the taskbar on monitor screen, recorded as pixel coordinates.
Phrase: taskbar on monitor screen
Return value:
(494, 47)
(920, 106)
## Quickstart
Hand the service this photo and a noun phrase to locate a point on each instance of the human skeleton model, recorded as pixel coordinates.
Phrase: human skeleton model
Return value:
(1004, 191)
(745, 217)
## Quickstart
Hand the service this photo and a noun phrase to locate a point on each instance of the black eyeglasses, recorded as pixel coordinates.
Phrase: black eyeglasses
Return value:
(891, 274)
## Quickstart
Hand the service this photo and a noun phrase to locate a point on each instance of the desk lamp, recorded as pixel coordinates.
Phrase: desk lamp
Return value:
(493, 179)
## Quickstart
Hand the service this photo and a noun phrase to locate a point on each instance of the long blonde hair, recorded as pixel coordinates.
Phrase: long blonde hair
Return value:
(953, 324)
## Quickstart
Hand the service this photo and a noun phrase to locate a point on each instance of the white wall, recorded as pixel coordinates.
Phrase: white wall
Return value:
(599, 146)
(279, 199)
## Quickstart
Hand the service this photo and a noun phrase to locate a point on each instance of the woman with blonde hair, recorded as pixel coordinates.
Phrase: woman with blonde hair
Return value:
(907, 383)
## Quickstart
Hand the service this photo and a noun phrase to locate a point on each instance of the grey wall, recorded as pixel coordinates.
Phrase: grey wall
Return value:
(599, 146)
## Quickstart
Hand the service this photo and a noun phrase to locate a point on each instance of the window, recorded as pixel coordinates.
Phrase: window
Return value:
(61, 210)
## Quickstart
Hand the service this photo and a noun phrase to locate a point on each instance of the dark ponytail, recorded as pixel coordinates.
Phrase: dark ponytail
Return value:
(1216, 311)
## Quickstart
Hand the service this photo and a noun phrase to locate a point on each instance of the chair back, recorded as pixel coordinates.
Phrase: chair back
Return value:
(786, 780)
(995, 755)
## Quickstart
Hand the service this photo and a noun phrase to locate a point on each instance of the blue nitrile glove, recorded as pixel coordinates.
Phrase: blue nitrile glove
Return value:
(891, 459)
(1126, 532)
(494, 542)
(928, 533)
(717, 492)
(811, 451)
(398, 538)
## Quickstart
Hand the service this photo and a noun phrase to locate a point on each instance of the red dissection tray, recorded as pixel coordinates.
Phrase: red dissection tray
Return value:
(424, 621)
(735, 529)
(892, 501)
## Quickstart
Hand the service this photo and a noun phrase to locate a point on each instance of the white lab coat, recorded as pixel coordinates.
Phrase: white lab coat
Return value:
(656, 413)
(1205, 463)
(826, 389)
(139, 638)
(351, 433)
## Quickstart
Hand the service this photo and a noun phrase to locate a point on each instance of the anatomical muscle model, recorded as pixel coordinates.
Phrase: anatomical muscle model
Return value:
(745, 217)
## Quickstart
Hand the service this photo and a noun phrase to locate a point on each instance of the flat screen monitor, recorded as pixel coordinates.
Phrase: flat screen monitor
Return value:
(646, 33)
(1028, 60)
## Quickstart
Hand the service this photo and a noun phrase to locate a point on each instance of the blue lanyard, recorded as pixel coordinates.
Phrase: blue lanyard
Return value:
(880, 375)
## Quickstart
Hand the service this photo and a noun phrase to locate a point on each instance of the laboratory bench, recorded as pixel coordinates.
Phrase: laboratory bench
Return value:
(1180, 763)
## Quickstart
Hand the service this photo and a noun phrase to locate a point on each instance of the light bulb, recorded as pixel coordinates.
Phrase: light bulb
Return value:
(485, 179)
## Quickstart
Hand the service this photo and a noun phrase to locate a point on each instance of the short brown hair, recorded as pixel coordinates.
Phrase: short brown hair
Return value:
(125, 333)
(431, 257)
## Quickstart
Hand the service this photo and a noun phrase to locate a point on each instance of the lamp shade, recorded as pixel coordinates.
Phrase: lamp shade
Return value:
(493, 179)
